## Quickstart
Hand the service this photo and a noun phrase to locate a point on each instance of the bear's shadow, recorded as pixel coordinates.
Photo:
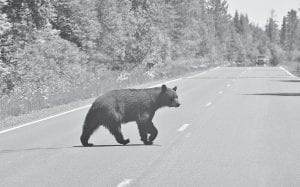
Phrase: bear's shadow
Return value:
(76, 146)
(116, 145)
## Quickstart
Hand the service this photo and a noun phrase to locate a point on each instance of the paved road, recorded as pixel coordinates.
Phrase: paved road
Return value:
(235, 127)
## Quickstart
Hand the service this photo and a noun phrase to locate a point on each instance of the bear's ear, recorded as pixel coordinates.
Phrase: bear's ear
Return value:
(163, 88)
(175, 88)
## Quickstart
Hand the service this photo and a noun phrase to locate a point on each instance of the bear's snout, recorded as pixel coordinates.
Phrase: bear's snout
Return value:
(176, 103)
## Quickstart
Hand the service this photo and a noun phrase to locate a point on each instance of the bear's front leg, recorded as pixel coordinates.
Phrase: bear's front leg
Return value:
(142, 122)
(152, 130)
(143, 134)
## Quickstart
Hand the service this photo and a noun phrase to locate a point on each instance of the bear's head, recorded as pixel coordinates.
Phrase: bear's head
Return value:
(168, 97)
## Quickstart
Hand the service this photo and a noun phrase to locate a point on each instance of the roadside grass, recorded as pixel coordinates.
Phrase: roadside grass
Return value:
(293, 67)
(17, 109)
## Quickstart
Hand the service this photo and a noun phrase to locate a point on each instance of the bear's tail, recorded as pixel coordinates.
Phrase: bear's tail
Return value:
(91, 123)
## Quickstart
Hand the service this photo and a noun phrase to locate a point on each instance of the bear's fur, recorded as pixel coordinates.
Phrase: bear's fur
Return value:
(121, 106)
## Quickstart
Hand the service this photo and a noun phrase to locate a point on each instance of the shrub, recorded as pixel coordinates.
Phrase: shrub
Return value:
(277, 55)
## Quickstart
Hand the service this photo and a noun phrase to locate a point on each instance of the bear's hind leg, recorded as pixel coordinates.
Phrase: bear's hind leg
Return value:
(89, 127)
(86, 133)
(115, 130)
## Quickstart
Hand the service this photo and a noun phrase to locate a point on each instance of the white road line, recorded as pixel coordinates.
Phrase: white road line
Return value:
(220, 92)
(188, 135)
(190, 77)
(183, 127)
(125, 182)
(44, 119)
(193, 76)
(208, 104)
(241, 74)
(182, 78)
(289, 73)
(83, 107)
(173, 81)
(228, 85)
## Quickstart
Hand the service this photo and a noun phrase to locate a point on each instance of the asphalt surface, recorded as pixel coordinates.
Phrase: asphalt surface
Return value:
(236, 126)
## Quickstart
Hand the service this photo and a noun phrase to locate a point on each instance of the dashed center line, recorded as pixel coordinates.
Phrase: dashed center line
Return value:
(183, 127)
(228, 85)
(124, 183)
(220, 92)
(208, 104)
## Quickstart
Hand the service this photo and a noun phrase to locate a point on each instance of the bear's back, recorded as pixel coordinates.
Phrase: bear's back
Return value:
(128, 102)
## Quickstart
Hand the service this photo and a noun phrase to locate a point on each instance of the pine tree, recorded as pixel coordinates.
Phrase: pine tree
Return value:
(218, 10)
(272, 28)
(283, 33)
(236, 21)
(292, 25)
(4, 24)
(221, 24)
(244, 24)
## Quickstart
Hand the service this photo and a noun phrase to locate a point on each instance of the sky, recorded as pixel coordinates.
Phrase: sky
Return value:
(260, 10)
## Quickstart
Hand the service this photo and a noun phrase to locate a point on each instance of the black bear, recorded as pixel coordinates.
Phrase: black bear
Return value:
(121, 106)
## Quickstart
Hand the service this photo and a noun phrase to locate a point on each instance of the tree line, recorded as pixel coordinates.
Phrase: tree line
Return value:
(284, 39)
(52, 45)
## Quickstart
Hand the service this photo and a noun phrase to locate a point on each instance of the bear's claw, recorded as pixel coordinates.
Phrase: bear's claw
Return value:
(148, 143)
(88, 144)
(125, 142)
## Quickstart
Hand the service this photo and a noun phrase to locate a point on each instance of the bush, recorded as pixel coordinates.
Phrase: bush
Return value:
(46, 66)
(277, 55)
(297, 56)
